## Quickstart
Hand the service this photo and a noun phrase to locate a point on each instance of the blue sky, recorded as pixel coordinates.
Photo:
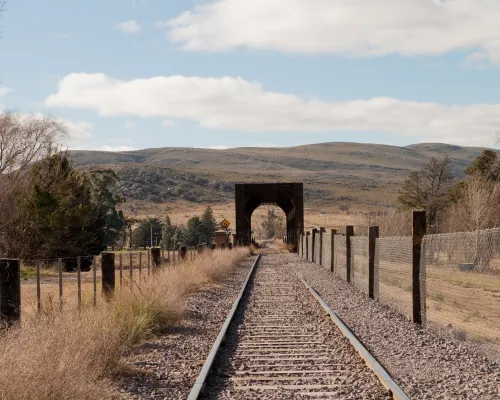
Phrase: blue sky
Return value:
(125, 74)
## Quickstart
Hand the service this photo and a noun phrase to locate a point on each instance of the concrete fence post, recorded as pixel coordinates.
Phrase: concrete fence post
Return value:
(10, 292)
(349, 232)
(320, 255)
(156, 257)
(418, 232)
(332, 266)
(313, 246)
(373, 234)
(108, 274)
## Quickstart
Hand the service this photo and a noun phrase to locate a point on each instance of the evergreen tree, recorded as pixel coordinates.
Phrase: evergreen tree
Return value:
(487, 165)
(141, 236)
(193, 231)
(167, 233)
(178, 236)
(208, 226)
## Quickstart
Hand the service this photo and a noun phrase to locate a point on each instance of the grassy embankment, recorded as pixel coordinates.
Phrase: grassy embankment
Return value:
(72, 354)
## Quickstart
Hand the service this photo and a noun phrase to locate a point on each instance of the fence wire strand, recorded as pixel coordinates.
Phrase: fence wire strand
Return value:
(326, 259)
(340, 249)
(393, 276)
(359, 262)
(463, 283)
(317, 237)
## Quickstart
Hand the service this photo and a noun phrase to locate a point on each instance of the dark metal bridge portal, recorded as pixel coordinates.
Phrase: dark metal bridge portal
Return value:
(288, 196)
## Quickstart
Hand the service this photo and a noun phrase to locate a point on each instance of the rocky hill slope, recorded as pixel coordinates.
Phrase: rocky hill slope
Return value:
(368, 175)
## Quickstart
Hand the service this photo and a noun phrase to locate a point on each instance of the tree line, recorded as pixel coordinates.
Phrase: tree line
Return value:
(453, 204)
(153, 231)
(51, 209)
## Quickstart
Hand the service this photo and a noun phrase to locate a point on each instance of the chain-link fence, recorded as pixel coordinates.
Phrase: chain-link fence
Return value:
(317, 244)
(326, 259)
(393, 273)
(463, 283)
(340, 248)
(359, 262)
(458, 277)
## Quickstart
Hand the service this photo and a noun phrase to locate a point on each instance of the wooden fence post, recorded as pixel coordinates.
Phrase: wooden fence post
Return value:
(79, 280)
(320, 258)
(182, 252)
(156, 257)
(313, 246)
(349, 232)
(10, 292)
(332, 266)
(131, 266)
(419, 230)
(108, 274)
(373, 233)
(60, 273)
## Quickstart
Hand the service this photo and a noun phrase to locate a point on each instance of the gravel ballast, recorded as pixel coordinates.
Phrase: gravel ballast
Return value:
(170, 364)
(426, 363)
(282, 345)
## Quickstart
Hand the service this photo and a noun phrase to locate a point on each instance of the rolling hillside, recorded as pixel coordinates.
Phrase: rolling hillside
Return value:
(360, 175)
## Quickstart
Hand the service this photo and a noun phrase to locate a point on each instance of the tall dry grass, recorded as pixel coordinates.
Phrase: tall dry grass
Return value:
(72, 355)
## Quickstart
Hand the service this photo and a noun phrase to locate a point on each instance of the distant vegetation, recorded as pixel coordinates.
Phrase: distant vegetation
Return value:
(452, 204)
(350, 174)
(169, 236)
(49, 208)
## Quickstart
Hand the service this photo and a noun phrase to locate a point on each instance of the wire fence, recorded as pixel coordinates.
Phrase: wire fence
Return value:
(317, 244)
(340, 248)
(75, 282)
(393, 266)
(309, 247)
(326, 259)
(463, 282)
(450, 280)
(359, 262)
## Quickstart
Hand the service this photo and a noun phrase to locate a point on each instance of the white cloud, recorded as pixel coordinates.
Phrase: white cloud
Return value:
(168, 123)
(236, 104)
(80, 133)
(131, 27)
(216, 147)
(4, 91)
(476, 57)
(116, 148)
(130, 125)
(353, 27)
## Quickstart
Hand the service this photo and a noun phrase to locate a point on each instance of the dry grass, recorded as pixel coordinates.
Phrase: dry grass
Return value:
(71, 355)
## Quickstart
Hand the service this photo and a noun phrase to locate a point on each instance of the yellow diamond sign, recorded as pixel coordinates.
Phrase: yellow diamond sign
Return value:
(225, 224)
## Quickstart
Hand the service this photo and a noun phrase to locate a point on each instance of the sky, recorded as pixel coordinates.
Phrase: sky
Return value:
(133, 74)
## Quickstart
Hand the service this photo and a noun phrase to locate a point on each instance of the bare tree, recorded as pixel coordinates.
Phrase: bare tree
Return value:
(26, 139)
(478, 205)
(428, 189)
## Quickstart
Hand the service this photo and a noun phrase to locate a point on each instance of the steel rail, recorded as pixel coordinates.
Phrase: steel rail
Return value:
(384, 377)
(199, 384)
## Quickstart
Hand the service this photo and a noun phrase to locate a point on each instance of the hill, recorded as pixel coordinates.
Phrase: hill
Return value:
(359, 175)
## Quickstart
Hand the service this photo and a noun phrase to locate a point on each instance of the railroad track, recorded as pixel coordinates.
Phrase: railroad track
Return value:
(279, 343)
